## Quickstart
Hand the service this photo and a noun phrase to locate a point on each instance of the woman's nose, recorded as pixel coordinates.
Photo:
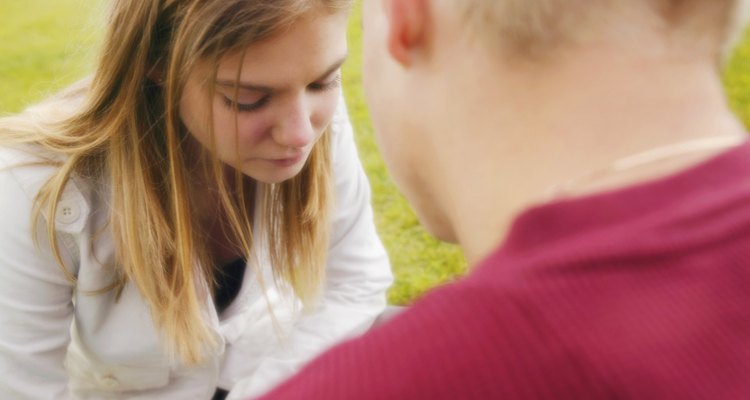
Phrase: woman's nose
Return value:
(295, 128)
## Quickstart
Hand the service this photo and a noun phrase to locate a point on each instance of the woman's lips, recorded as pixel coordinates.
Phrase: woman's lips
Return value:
(285, 162)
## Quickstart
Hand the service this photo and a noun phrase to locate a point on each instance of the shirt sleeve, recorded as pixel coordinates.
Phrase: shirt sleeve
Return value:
(358, 273)
(36, 307)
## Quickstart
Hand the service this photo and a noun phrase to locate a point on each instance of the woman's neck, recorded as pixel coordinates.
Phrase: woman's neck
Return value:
(207, 204)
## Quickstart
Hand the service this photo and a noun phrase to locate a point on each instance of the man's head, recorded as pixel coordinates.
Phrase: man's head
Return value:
(439, 73)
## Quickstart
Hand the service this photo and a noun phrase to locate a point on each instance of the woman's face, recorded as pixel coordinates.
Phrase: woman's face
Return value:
(289, 88)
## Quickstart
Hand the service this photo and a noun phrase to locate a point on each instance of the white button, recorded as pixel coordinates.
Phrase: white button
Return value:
(68, 212)
(109, 382)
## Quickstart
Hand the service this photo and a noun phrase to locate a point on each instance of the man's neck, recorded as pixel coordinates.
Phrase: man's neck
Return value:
(580, 117)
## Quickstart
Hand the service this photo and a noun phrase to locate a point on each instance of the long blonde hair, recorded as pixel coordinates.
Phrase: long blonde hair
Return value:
(128, 131)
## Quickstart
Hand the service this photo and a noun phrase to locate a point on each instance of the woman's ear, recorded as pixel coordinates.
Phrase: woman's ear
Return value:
(408, 23)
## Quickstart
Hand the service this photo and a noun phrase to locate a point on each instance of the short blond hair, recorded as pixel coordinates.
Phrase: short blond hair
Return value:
(540, 25)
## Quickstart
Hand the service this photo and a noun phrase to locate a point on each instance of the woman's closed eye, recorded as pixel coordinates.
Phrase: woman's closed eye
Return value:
(330, 84)
(244, 106)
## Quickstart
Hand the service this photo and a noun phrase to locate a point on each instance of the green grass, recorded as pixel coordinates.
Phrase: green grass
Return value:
(45, 46)
(737, 80)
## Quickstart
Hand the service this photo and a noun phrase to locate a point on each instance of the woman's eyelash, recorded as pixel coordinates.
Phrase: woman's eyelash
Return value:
(242, 107)
(332, 84)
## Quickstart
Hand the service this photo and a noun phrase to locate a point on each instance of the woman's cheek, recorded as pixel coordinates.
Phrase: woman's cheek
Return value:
(325, 114)
(239, 128)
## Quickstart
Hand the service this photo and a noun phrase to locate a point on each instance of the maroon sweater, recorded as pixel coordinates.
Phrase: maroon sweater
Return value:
(640, 293)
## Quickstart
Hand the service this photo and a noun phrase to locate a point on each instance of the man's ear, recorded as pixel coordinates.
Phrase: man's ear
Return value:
(408, 23)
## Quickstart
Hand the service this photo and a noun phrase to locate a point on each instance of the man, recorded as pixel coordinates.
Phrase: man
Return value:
(584, 157)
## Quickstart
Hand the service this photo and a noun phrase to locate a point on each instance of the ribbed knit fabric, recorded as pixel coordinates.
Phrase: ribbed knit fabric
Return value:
(640, 293)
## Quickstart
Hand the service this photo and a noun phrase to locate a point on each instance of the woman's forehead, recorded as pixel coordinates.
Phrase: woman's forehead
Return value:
(311, 49)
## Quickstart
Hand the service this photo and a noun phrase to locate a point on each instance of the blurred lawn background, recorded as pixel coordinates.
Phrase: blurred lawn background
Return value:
(47, 44)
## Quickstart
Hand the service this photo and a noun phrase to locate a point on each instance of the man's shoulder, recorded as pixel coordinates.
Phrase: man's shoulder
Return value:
(481, 310)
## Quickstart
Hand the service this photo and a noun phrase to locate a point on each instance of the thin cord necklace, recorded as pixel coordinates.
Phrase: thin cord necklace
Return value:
(650, 156)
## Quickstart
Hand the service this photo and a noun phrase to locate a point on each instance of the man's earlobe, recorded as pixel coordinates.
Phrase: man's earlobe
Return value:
(407, 28)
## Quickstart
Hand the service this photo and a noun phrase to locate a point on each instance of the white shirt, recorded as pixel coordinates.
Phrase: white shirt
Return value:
(58, 341)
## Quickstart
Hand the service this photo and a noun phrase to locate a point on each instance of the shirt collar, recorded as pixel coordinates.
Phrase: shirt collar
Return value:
(545, 228)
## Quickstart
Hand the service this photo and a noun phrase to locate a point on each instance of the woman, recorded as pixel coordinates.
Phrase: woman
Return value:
(163, 221)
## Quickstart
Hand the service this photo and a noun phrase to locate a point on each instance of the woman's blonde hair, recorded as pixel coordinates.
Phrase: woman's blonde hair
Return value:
(537, 26)
(128, 131)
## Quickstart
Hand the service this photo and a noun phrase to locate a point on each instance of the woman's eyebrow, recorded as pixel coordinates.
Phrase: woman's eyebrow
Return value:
(230, 84)
(334, 67)
(227, 83)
